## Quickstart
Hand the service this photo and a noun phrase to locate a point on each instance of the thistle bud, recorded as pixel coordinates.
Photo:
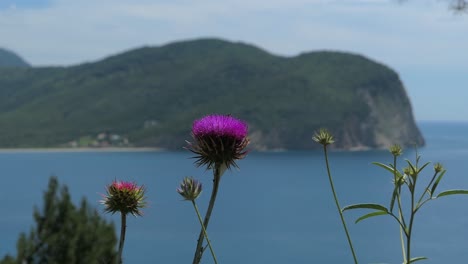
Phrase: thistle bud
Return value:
(218, 140)
(190, 188)
(438, 167)
(410, 172)
(124, 197)
(396, 150)
(323, 137)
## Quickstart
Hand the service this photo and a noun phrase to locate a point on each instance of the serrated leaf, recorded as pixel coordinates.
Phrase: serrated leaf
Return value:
(366, 206)
(452, 192)
(370, 215)
(436, 183)
(417, 259)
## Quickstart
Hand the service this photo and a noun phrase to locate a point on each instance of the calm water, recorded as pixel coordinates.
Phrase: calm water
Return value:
(276, 209)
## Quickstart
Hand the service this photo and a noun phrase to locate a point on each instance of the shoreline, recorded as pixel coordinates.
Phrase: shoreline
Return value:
(67, 150)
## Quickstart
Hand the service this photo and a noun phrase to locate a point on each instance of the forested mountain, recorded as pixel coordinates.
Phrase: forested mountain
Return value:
(10, 59)
(151, 95)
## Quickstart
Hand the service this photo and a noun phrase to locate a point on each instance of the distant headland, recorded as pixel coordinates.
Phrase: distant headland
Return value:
(148, 97)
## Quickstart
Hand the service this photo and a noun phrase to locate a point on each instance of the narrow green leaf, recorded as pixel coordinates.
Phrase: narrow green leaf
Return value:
(388, 168)
(434, 186)
(417, 259)
(366, 206)
(394, 195)
(385, 166)
(413, 169)
(370, 215)
(423, 166)
(451, 192)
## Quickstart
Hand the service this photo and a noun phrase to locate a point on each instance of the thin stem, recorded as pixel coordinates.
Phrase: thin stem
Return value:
(396, 218)
(122, 237)
(400, 217)
(410, 227)
(400, 210)
(400, 213)
(426, 190)
(204, 231)
(216, 178)
(421, 204)
(338, 205)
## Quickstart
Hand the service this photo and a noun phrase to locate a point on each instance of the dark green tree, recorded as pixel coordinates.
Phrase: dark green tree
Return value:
(64, 233)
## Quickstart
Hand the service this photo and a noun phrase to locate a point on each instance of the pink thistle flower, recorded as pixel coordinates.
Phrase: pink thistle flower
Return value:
(220, 126)
(219, 139)
(124, 197)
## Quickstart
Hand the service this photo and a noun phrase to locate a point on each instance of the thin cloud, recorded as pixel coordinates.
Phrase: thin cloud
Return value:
(69, 32)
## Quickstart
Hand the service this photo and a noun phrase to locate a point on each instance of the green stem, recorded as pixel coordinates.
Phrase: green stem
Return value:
(204, 231)
(410, 227)
(426, 190)
(338, 205)
(400, 213)
(400, 217)
(122, 237)
(216, 178)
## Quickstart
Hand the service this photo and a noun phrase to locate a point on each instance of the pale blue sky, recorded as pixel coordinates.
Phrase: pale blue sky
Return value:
(421, 39)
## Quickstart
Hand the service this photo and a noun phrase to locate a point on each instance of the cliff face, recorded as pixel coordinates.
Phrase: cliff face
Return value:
(150, 96)
(389, 121)
(363, 103)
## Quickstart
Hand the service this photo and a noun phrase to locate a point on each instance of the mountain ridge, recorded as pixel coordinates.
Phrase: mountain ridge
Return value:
(150, 95)
(11, 59)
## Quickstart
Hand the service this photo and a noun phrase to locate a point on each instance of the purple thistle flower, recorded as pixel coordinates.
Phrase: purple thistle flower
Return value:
(220, 125)
(124, 197)
(190, 188)
(219, 139)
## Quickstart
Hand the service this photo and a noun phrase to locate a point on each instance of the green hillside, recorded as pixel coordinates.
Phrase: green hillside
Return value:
(10, 59)
(151, 95)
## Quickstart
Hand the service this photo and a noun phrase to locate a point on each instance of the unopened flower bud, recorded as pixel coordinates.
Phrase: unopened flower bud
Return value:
(190, 188)
(124, 197)
(438, 167)
(409, 171)
(323, 137)
(396, 150)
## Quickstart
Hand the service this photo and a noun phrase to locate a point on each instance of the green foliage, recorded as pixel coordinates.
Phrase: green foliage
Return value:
(284, 99)
(9, 59)
(408, 177)
(65, 234)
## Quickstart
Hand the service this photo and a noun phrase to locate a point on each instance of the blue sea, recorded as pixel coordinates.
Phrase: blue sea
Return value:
(276, 209)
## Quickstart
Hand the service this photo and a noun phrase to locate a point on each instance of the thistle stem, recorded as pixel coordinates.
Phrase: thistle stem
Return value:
(122, 237)
(204, 231)
(400, 217)
(216, 179)
(400, 213)
(338, 205)
(410, 227)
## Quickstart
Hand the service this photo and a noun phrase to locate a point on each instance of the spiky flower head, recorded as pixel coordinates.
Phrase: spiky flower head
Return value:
(396, 150)
(219, 140)
(323, 136)
(124, 197)
(438, 167)
(410, 172)
(190, 188)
